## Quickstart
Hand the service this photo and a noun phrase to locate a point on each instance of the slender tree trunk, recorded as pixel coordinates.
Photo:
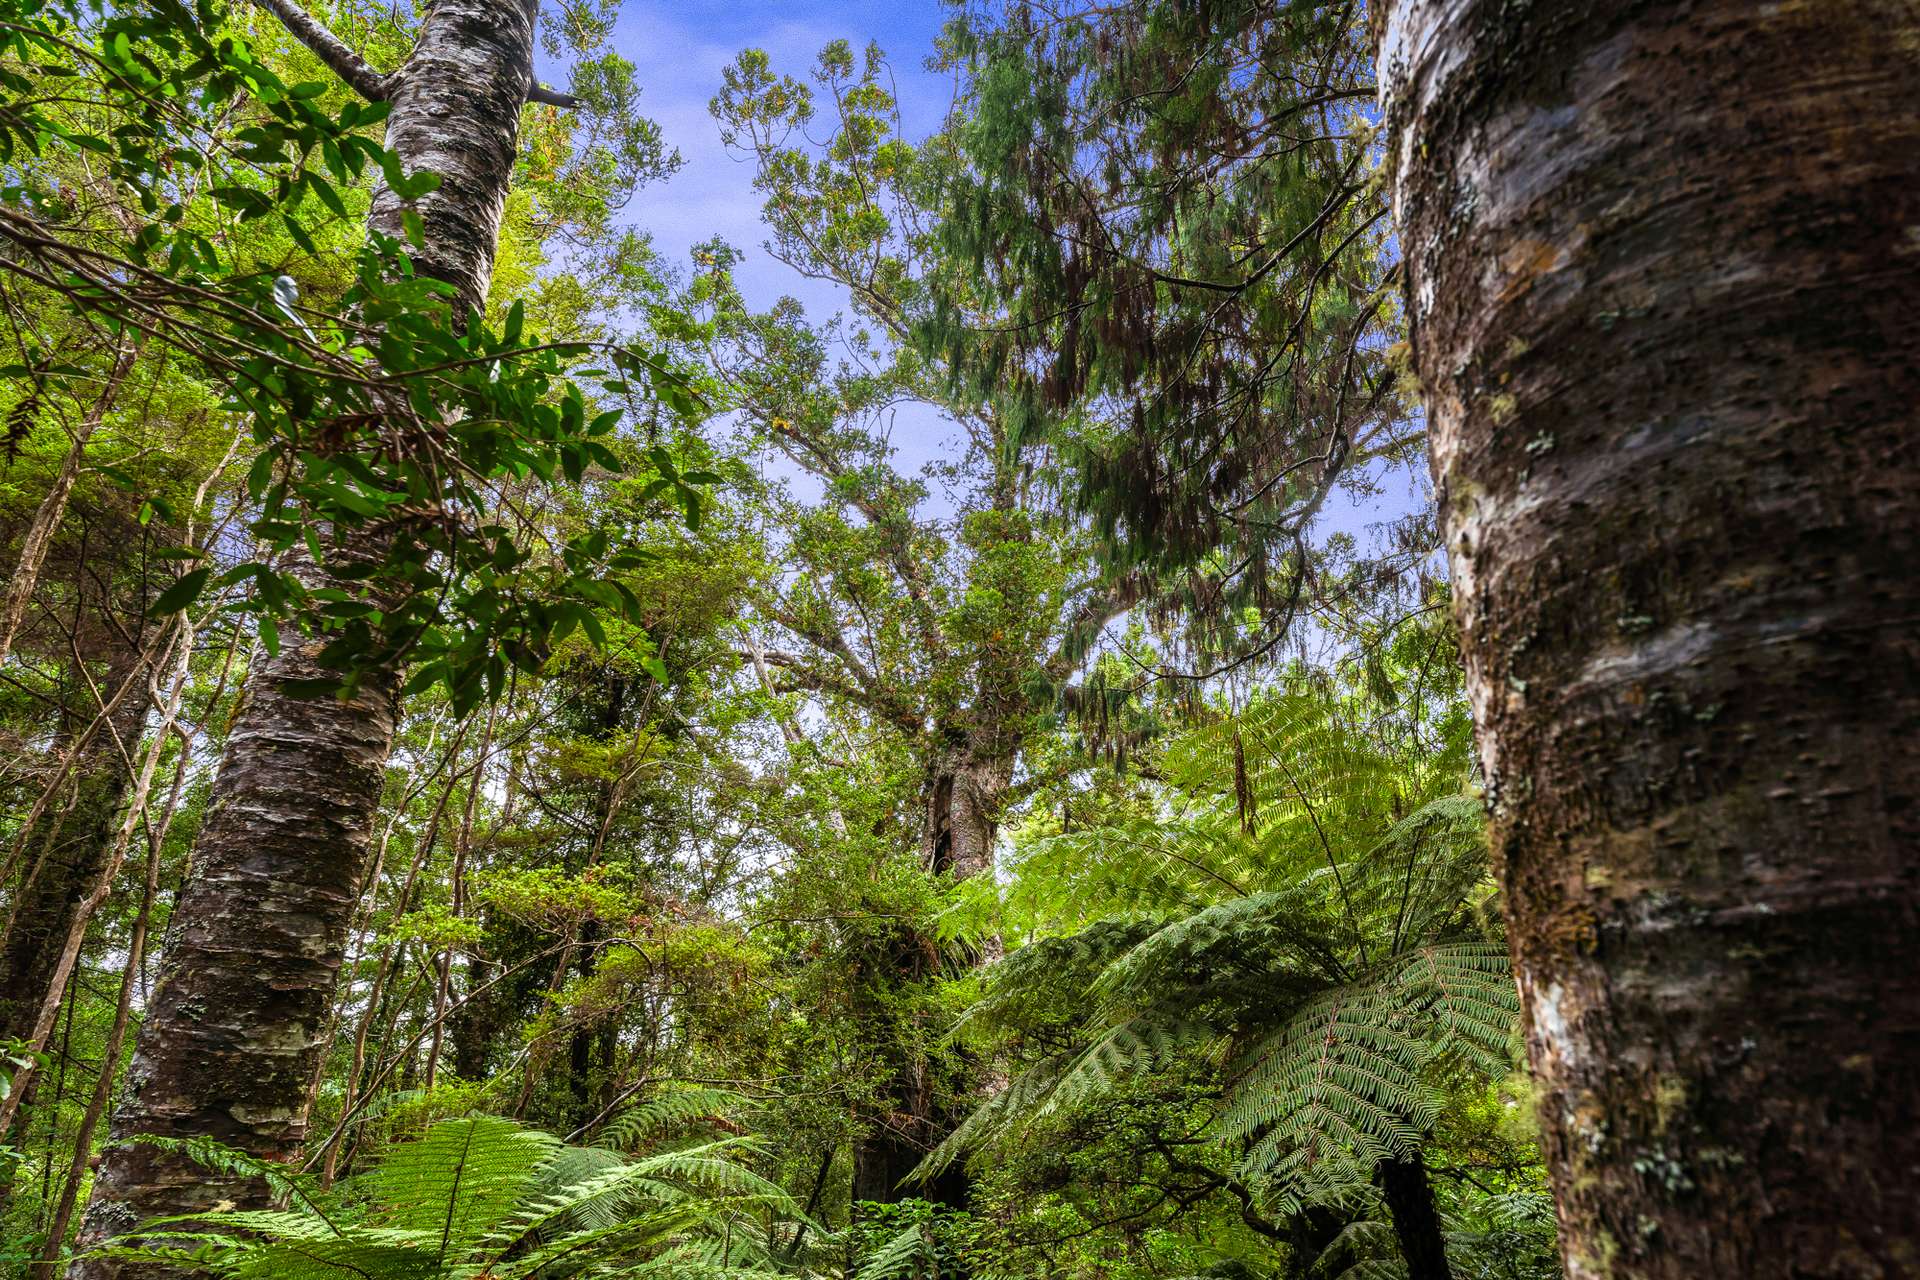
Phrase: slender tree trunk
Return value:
(48, 1265)
(38, 539)
(462, 845)
(66, 949)
(1416, 1219)
(228, 1044)
(1662, 264)
(78, 840)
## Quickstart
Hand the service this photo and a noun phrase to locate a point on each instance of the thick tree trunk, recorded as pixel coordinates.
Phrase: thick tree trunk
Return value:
(1661, 271)
(1416, 1219)
(229, 1043)
(962, 799)
(959, 823)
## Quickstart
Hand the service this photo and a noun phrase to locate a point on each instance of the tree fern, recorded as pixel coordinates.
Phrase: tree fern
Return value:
(1302, 918)
(916, 1252)
(481, 1195)
(459, 1180)
(670, 1110)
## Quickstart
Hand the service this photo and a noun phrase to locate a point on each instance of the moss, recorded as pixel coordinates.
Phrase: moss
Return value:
(1670, 1096)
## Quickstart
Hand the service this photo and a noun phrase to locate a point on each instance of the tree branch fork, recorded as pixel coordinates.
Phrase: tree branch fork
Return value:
(374, 86)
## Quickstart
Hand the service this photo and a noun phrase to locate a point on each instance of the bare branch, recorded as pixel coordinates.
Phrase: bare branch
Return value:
(553, 98)
(798, 674)
(330, 49)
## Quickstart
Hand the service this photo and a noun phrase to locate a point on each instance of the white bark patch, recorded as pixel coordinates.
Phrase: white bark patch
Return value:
(1551, 1025)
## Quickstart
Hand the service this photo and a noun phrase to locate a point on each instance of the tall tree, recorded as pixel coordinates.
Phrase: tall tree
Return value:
(1175, 266)
(1660, 265)
(954, 629)
(229, 1043)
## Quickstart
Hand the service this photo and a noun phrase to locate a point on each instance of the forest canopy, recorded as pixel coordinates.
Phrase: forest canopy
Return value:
(1253, 639)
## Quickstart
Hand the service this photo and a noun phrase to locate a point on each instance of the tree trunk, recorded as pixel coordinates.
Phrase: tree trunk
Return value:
(958, 826)
(38, 539)
(229, 1041)
(1661, 271)
(1416, 1220)
(962, 810)
(78, 839)
(48, 1265)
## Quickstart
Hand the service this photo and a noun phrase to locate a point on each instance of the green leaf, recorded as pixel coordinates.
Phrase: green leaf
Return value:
(299, 234)
(184, 591)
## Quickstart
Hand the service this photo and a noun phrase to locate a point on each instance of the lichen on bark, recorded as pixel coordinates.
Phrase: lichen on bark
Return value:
(1660, 270)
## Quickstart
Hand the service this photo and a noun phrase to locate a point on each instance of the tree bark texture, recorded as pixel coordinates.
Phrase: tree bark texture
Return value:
(1661, 270)
(230, 1037)
(230, 1041)
(963, 795)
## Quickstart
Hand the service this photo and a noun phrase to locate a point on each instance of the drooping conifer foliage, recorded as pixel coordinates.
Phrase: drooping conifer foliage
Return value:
(922, 733)
(1171, 215)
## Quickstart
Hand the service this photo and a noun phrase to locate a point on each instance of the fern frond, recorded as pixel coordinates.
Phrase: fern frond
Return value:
(668, 1111)
(993, 1119)
(1123, 1052)
(459, 1180)
(915, 1251)
(1338, 1083)
(1461, 997)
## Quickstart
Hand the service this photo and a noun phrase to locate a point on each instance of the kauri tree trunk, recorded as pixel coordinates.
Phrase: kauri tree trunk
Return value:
(1661, 267)
(232, 1036)
(961, 798)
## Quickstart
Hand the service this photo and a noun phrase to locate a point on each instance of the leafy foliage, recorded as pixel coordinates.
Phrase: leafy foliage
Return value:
(1330, 1005)
(483, 1195)
(1169, 214)
(385, 435)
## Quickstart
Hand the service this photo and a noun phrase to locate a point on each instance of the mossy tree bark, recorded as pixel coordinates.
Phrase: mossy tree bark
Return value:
(1661, 263)
(230, 1041)
(966, 784)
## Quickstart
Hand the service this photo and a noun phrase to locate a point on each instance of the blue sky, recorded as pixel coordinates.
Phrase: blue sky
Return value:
(679, 52)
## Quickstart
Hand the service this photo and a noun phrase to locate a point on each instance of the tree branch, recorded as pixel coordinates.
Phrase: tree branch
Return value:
(553, 98)
(330, 49)
(1095, 612)
(801, 674)
(352, 68)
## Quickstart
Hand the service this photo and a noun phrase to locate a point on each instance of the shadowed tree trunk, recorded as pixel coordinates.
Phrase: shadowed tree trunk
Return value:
(230, 1041)
(1416, 1219)
(38, 539)
(79, 835)
(1661, 272)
